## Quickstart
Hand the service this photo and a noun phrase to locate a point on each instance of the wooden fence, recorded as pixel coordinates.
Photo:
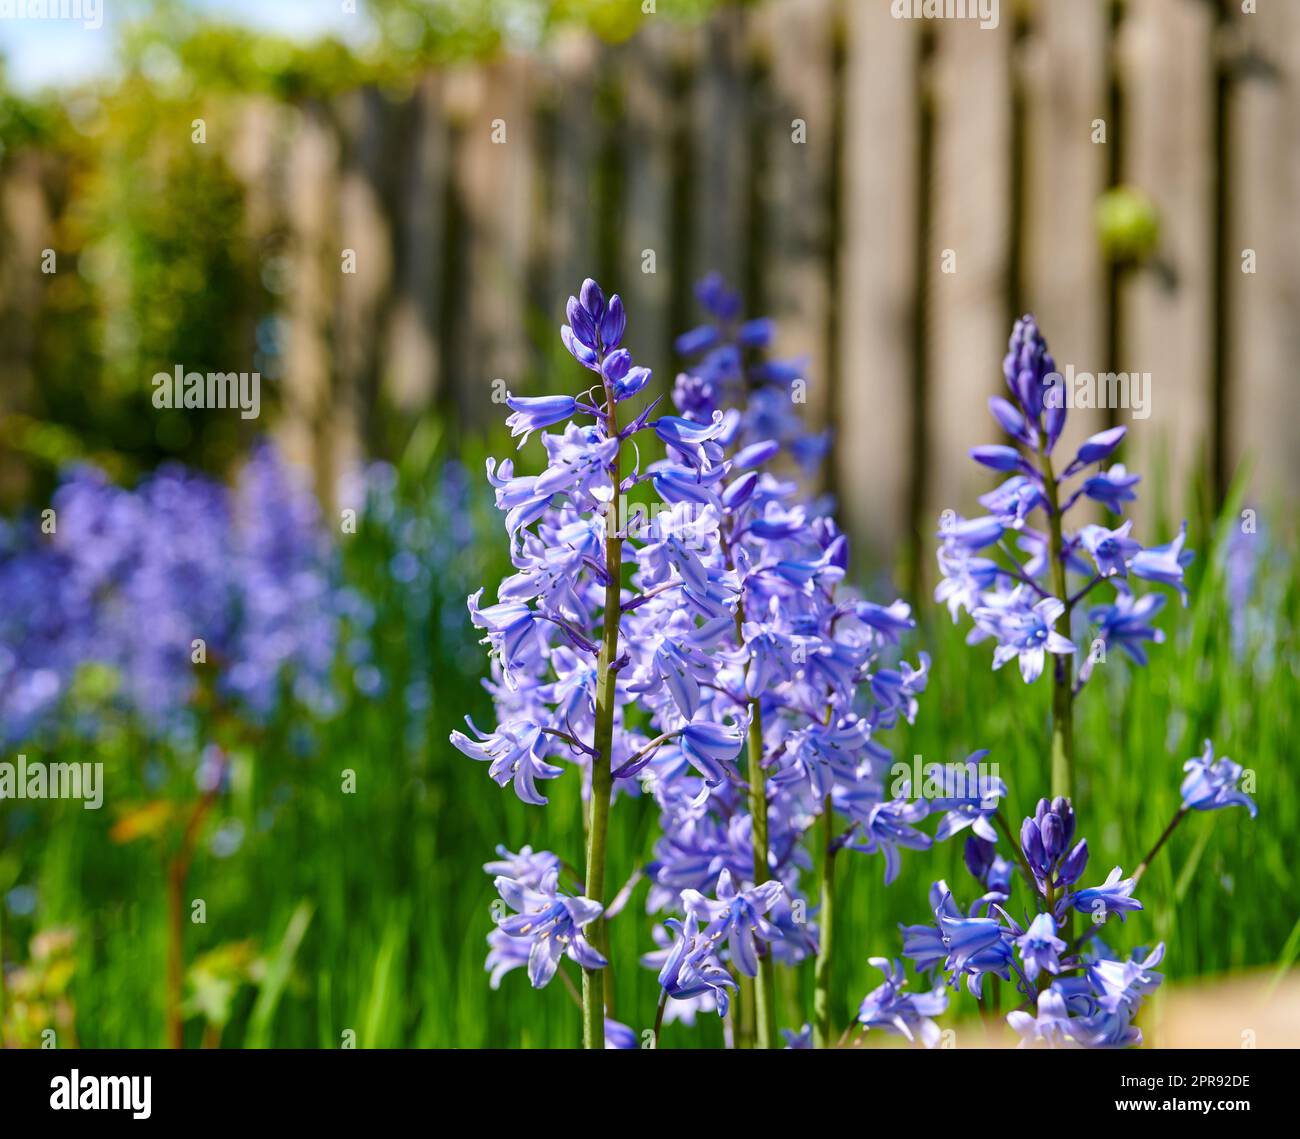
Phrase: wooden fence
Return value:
(894, 191)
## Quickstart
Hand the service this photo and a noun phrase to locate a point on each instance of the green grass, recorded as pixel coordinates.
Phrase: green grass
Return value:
(369, 910)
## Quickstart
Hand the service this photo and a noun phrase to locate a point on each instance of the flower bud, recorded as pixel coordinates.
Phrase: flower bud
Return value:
(1053, 834)
(1031, 842)
(593, 300)
(1075, 862)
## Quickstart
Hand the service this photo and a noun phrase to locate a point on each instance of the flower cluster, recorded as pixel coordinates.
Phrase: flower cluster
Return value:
(679, 627)
(132, 579)
(1075, 991)
(728, 368)
(709, 621)
(1017, 596)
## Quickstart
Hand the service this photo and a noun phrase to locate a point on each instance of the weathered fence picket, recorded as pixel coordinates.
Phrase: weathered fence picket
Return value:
(893, 191)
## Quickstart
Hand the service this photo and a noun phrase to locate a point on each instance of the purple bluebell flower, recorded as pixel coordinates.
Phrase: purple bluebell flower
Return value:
(909, 1015)
(619, 1036)
(999, 457)
(711, 748)
(1126, 623)
(1099, 447)
(532, 414)
(516, 752)
(1114, 896)
(736, 915)
(689, 968)
(1052, 1027)
(1027, 368)
(1211, 784)
(1112, 550)
(1000, 596)
(888, 826)
(1024, 632)
(552, 924)
(1040, 948)
(1165, 564)
(1119, 986)
(801, 1041)
(972, 533)
(528, 868)
(970, 799)
(695, 443)
(1112, 488)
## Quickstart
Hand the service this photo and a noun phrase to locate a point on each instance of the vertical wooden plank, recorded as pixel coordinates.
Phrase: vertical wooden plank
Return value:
(647, 138)
(797, 197)
(720, 148)
(255, 156)
(1166, 67)
(1064, 81)
(567, 236)
(1264, 187)
(26, 225)
(363, 227)
(494, 175)
(969, 253)
(412, 350)
(310, 181)
(876, 273)
(25, 230)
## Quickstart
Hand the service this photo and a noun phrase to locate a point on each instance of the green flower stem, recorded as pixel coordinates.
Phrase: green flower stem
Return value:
(1164, 837)
(1063, 663)
(597, 982)
(765, 982)
(822, 970)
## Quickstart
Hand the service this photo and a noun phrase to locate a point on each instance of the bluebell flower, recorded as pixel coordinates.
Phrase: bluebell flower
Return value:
(1119, 986)
(516, 752)
(1112, 550)
(909, 1015)
(887, 826)
(1126, 623)
(737, 916)
(1024, 632)
(711, 748)
(1112, 488)
(1012, 421)
(978, 854)
(1114, 896)
(1001, 597)
(619, 1036)
(532, 414)
(689, 972)
(1097, 448)
(1165, 564)
(529, 868)
(970, 799)
(801, 1041)
(999, 457)
(972, 533)
(552, 923)
(965, 579)
(1052, 1027)
(696, 443)
(1211, 784)
(1040, 948)
(504, 954)
(964, 946)
(1027, 367)
(1013, 501)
